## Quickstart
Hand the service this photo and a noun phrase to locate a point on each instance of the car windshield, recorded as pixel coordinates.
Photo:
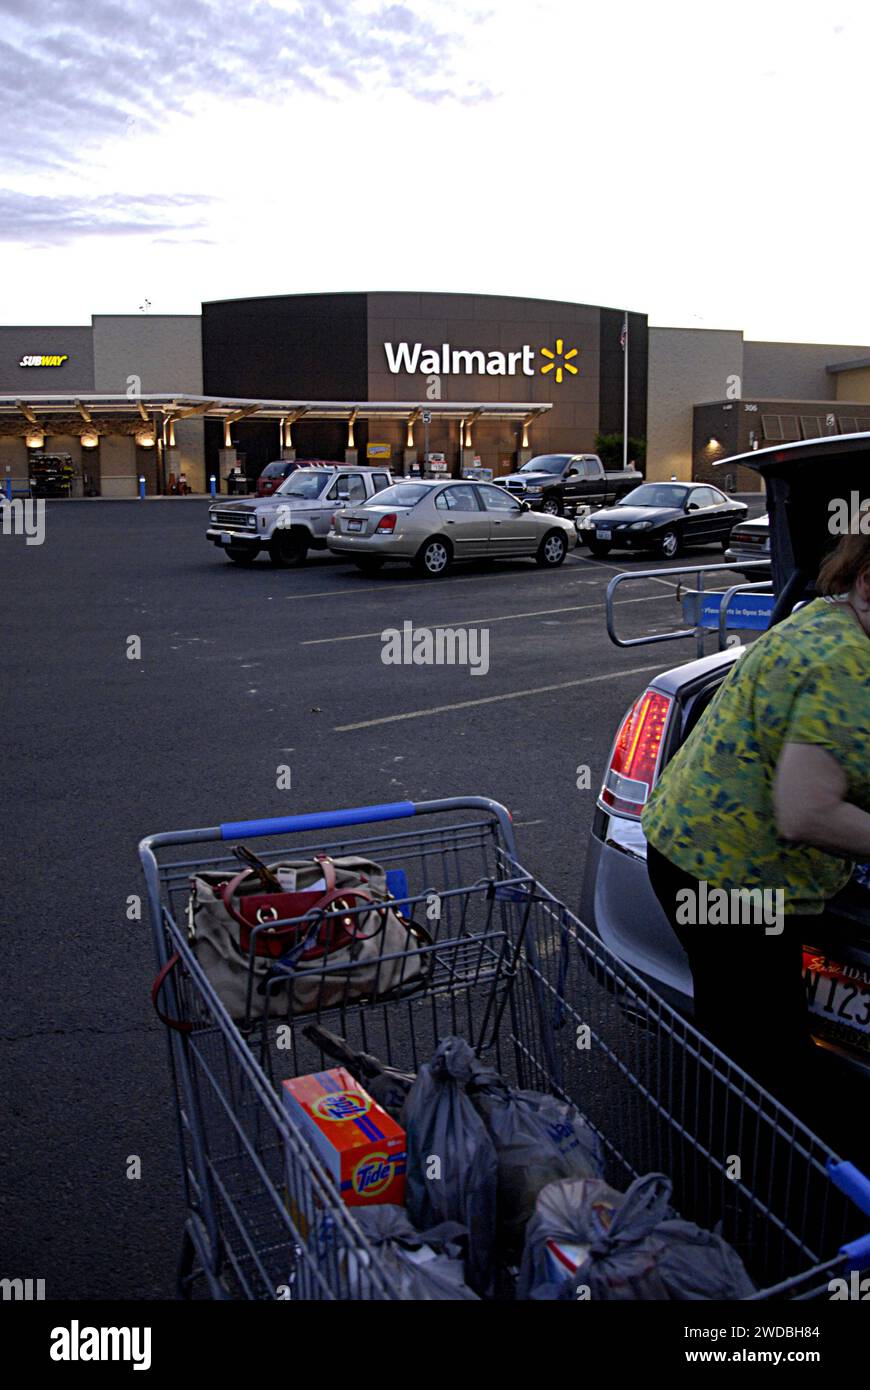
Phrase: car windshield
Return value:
(655, 495)
(303, 483)
(401, 495)
(273, 470)
(545, 463)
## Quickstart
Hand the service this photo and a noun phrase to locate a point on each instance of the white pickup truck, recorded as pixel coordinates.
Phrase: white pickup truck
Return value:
(296, 518)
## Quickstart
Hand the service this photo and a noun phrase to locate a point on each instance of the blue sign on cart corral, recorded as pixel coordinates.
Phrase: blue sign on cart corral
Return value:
(750, 612)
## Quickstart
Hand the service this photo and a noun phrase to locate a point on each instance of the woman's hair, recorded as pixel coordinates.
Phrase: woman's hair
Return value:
(844, 566)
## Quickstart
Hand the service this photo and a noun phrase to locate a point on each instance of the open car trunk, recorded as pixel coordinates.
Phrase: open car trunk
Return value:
(802, 480)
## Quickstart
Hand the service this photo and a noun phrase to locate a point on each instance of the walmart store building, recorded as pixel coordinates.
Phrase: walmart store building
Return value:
(350, 377)
(471, 380)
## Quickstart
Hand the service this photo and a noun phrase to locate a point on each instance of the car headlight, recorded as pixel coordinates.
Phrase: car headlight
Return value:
(586, 523)
(640, 526)
(251, 520)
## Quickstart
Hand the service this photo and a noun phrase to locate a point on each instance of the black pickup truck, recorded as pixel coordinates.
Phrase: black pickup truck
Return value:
(561, 483)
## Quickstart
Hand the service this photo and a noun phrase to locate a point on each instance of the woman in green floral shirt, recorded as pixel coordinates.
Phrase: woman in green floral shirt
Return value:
(770, 792)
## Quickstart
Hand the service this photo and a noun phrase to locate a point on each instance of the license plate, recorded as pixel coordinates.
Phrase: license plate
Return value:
(354, 524)
(226, 538)
(838, 999)
(603, 533)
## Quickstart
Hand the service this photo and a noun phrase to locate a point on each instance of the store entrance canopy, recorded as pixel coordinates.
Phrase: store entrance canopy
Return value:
(124, 414)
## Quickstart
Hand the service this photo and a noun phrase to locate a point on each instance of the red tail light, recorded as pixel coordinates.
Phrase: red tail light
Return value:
(634, 762)
(387, 522)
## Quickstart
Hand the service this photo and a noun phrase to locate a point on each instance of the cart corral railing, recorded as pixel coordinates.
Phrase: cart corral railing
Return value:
(694, 605)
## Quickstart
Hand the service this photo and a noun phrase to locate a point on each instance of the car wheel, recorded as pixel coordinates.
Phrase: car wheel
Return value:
(433, 557)
(369, 564)
(600, 548)
(669, 544)
(552, 550)
(240, 554)
(288, 548)
(553, 507)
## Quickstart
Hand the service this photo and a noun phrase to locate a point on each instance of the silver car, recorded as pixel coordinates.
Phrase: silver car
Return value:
(430, 525)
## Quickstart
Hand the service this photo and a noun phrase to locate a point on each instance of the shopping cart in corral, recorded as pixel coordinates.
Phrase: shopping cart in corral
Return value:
(506, 965)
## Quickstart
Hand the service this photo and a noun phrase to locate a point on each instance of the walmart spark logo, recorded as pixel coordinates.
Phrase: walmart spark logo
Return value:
(559, 361)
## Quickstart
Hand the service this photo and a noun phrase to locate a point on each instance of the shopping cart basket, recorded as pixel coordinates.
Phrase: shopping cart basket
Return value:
(538, 995)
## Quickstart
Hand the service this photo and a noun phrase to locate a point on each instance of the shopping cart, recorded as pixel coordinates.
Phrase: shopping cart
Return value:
(512, 970)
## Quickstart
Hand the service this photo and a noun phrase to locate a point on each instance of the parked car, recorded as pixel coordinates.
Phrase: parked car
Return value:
(664, 517)
(432, 524)
(750, 540)
(562, 483)
(296, 518)
(275, 472)
(617, 900)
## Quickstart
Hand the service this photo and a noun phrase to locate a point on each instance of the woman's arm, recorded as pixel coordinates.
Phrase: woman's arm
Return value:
(810, 806)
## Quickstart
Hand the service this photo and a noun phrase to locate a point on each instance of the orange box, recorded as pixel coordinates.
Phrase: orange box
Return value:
(360, 1145)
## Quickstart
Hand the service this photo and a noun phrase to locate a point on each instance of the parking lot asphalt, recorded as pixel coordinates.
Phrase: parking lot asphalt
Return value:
(242, 672)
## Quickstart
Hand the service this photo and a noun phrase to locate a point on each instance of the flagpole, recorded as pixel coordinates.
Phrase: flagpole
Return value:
(625, 392)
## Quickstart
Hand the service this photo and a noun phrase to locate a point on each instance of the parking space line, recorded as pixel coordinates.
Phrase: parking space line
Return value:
(491, 699)
(420, 584)
(468, 622)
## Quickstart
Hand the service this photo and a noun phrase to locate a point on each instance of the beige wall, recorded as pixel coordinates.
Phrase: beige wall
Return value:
(686, 365)
(853, 385)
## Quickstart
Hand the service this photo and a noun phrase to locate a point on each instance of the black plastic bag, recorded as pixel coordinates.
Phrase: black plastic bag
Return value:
(634, 1247)
(452, 1166)
(538, 1139)
(426, 1265)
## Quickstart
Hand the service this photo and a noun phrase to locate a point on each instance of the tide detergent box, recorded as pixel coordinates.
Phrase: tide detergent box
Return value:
(359, 1144)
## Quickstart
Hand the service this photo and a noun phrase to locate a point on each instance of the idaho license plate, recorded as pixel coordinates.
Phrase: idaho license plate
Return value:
(354, 524)
(226, 538)
(603, 533)
(838, 997)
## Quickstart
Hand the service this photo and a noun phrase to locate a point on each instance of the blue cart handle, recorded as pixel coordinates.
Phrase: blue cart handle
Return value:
(852, 1181)
(856, 1186)
(317, 820)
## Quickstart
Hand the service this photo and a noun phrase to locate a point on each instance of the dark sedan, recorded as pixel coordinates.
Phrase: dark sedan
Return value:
(663, 517)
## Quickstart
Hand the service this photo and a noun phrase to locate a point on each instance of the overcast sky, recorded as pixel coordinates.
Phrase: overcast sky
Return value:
(705, 163)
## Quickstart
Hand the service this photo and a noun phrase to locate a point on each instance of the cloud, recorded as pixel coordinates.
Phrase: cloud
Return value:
(42, 220)
(75, 75)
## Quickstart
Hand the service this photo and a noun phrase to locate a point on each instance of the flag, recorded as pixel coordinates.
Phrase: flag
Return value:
(623, 337)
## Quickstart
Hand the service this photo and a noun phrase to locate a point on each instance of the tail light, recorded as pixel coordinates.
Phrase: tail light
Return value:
(634, 762)
(387, 522)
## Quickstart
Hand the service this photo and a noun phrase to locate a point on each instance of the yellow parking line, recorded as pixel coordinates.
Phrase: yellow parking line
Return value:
(468, 622)
(491, 699)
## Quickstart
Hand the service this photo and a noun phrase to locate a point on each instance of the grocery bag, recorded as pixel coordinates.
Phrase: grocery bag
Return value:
(624, 1246)
(538, 1139)
(427, 1266)
(452, 1166)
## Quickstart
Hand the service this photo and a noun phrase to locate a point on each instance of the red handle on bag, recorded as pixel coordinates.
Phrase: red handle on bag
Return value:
(180, 1025)
(250, 914)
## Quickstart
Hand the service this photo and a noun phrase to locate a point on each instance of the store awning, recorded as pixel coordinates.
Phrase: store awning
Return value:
(121, 413)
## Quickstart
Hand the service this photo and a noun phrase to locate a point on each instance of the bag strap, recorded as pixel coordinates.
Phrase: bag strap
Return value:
(180, 1025)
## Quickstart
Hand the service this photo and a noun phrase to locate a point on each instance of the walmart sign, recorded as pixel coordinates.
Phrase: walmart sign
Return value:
(447, 360)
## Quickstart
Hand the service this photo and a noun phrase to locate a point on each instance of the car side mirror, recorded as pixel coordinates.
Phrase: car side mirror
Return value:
(572, 473)
(692, 507)
(525, 506)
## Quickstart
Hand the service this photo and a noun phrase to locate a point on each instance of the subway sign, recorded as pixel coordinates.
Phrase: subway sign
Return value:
(44, 359)
(450, 361)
